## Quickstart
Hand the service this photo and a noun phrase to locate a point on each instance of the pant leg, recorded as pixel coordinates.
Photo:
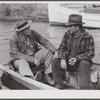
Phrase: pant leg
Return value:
(57, 72)
(40, 55)
(23, 67)
(84, 74)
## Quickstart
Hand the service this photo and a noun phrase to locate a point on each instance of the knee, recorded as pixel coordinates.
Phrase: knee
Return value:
(84, 64)
(20, 62)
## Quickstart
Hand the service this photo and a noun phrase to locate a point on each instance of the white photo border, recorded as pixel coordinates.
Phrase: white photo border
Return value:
(49, 94)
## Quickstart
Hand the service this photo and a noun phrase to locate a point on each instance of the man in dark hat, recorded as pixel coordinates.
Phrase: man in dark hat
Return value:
(26, 50)
(75, 53)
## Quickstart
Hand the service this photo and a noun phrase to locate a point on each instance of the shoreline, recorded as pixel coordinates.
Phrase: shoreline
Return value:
(37, 19)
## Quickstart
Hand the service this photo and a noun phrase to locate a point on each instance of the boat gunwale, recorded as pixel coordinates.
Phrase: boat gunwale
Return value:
(29, 81)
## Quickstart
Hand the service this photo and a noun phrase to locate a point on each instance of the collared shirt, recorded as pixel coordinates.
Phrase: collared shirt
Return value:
(30, 46)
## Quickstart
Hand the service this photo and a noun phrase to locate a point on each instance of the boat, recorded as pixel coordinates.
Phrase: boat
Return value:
(13, 80)
(59, 15)
(92, 10)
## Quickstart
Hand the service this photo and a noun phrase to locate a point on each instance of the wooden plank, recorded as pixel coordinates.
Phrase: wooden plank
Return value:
(31, 84)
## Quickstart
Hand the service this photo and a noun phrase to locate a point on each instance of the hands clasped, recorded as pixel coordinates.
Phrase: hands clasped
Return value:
(72, 61)
(56, 54)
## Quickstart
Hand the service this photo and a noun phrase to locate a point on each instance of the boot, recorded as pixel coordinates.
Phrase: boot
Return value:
(38, 76)
(59, 86)
(48, 79)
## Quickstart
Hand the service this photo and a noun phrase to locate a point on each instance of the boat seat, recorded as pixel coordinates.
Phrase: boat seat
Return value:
(74, 78)
(94, 77)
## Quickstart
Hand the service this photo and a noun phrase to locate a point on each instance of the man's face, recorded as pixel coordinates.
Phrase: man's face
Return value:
(73, 28)
(26, 31)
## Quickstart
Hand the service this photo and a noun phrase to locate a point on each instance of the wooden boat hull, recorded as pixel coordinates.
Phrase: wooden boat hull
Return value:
(13, 80)
(59, 16)
(16, 81)
(11, 83)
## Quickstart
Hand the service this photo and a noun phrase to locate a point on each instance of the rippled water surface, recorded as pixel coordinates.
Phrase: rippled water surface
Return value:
(54, 34)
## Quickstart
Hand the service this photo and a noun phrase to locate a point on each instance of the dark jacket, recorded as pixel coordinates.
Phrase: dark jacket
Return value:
(85, 46)
(19, 48)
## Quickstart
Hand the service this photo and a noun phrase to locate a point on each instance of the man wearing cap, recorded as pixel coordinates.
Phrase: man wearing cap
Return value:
(75, 53)
(26, 50)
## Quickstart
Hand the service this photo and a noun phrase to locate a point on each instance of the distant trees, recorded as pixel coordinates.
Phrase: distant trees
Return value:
(5, 9)
(23, 9)
(29, 8)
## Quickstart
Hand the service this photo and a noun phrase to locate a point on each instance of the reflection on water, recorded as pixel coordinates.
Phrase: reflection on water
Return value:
(6, 30)
(53, 33)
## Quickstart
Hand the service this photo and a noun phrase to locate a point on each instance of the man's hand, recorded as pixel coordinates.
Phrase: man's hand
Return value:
(36, 61)
(63, 64)
(56, 54)
(72, 61)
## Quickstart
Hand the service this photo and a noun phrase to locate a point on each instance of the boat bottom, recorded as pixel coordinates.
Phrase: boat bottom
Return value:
(10, 83)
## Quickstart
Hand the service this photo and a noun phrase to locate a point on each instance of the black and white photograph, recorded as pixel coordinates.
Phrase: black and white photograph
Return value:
(50, 46)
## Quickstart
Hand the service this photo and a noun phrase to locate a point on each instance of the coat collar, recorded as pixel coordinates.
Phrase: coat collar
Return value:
(84, 34)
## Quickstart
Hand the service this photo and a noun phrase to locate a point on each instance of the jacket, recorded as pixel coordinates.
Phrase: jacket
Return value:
(19, 48)
(85, 46)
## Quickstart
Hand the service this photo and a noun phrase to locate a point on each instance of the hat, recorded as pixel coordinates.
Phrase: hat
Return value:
(22, 24)
(74, 19)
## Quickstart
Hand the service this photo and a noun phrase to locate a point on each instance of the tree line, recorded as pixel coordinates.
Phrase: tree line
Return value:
(34, 11)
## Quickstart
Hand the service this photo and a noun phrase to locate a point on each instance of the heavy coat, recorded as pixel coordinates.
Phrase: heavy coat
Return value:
(19, 47)
(85, 46)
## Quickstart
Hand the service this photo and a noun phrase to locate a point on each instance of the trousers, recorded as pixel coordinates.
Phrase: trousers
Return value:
(83, 70)
(42, 55)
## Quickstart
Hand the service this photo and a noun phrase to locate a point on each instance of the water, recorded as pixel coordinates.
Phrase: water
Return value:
(54, 34)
